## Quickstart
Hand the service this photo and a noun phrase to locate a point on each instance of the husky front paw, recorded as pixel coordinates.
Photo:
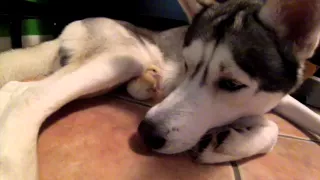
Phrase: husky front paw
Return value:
(208, 150)
(243, 139)
(146, 86)
(215, 147)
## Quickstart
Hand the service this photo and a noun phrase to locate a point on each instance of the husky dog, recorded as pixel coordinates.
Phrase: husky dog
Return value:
(236, 61)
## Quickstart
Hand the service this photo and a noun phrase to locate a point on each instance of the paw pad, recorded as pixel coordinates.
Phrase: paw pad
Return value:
(147, 85)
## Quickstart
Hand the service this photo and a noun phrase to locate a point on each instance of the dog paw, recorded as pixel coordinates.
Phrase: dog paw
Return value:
(210, 156)
(236, 141)
(146, 86)
(220, 145)
(208, 146)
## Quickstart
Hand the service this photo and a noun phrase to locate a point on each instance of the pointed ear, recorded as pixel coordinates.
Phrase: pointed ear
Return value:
(192, 7)
(295, 20)
(205, 3)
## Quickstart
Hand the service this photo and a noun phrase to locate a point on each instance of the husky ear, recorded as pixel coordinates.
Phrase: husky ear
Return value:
(192, 7)
(295, 20)
(205, 3)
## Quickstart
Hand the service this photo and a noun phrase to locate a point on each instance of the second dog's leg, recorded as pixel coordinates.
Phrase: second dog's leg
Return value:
(29, 104)
(299, 113)
(245, 138)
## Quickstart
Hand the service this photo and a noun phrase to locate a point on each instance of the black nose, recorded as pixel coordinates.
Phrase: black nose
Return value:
(150, 136)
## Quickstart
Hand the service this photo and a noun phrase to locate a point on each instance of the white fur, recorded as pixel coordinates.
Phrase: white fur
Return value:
(186, 113)
(194, 110)
(242, 142)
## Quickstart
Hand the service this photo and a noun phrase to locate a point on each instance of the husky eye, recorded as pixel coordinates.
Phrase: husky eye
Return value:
(230, 85)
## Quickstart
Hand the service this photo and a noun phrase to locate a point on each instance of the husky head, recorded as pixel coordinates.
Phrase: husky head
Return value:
(242, 57)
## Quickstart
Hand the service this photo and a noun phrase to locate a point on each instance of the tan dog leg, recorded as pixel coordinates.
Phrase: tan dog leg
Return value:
(25, 106)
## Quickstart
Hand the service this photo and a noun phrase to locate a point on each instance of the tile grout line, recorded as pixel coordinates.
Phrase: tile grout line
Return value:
(130, 100)
(236, 171)
(297, 138)
(306, 132)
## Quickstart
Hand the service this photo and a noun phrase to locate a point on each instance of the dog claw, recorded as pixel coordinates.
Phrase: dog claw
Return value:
(147, 85)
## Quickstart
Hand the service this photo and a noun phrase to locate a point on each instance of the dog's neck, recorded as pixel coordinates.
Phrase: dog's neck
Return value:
(171, 42)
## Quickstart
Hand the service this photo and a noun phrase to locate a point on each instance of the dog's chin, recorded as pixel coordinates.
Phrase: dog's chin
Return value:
(174, 149)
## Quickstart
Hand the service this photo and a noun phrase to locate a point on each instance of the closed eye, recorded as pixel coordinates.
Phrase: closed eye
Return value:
(230, 85)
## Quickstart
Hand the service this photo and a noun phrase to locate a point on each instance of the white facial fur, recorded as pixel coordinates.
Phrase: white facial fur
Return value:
(191, 110)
